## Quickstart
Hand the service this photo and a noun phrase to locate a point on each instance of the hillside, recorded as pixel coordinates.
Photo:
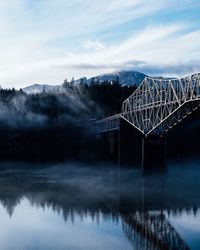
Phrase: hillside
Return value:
(127, 78)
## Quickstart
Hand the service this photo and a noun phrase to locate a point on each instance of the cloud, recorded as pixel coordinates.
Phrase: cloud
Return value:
(155, 50)
(93, 45)
(115, 66)
(47, 41)
(176, 69)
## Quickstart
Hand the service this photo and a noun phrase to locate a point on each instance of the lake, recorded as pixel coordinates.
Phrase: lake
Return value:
(96, 207)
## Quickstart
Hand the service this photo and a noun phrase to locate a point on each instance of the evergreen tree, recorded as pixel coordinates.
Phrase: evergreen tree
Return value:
(72, 82)
(65, 83)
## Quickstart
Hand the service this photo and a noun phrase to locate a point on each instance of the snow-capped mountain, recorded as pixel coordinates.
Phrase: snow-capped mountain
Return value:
(123, 77)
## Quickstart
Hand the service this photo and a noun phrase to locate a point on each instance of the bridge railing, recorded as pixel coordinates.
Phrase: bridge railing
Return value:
(108, 124)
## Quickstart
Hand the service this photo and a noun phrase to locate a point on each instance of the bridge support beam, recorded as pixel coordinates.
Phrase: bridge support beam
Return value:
(153, 153)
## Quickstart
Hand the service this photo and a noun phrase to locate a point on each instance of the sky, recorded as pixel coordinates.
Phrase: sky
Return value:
(46, 41)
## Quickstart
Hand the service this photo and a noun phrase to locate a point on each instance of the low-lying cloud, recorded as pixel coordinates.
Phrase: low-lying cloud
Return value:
(25, 111)
(176, 68)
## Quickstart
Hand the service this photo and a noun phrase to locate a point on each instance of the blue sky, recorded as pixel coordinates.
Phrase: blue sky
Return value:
(46, 41)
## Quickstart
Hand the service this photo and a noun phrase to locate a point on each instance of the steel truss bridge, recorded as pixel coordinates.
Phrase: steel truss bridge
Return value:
(156, 106)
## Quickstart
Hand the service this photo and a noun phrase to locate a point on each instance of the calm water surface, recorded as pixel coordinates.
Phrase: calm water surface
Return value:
(73, 206)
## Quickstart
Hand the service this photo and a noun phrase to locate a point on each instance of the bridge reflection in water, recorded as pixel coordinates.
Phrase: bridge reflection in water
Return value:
(150, 231)
(140, 203)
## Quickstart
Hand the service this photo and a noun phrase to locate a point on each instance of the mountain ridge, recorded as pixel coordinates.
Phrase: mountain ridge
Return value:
(123, 77)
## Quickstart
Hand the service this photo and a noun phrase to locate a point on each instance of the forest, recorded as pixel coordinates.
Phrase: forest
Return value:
(59, 126)
(56, 125)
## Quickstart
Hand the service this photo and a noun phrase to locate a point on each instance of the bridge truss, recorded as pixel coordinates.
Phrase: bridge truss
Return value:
(108, 124)
(159, 104)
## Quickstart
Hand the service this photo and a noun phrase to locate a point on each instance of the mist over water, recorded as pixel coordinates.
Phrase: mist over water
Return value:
(79, 206)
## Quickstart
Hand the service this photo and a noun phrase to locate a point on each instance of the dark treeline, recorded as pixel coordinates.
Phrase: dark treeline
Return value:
(58, 125)
(55, 125)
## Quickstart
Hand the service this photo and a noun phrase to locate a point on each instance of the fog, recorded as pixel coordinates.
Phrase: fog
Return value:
(20, 110)
(100, 187)
(81, 201)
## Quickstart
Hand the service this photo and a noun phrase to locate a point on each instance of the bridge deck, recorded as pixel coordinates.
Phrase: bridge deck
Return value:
(108, 124)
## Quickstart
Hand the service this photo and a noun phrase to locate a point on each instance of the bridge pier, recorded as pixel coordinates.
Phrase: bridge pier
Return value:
(108, 146)
(129, 144)
(153, 153)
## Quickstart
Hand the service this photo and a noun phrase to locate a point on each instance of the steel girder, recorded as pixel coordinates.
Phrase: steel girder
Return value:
(108, 124)
(158, 104)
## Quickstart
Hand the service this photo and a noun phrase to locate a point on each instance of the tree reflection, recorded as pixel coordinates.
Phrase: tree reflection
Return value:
(140, 203)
